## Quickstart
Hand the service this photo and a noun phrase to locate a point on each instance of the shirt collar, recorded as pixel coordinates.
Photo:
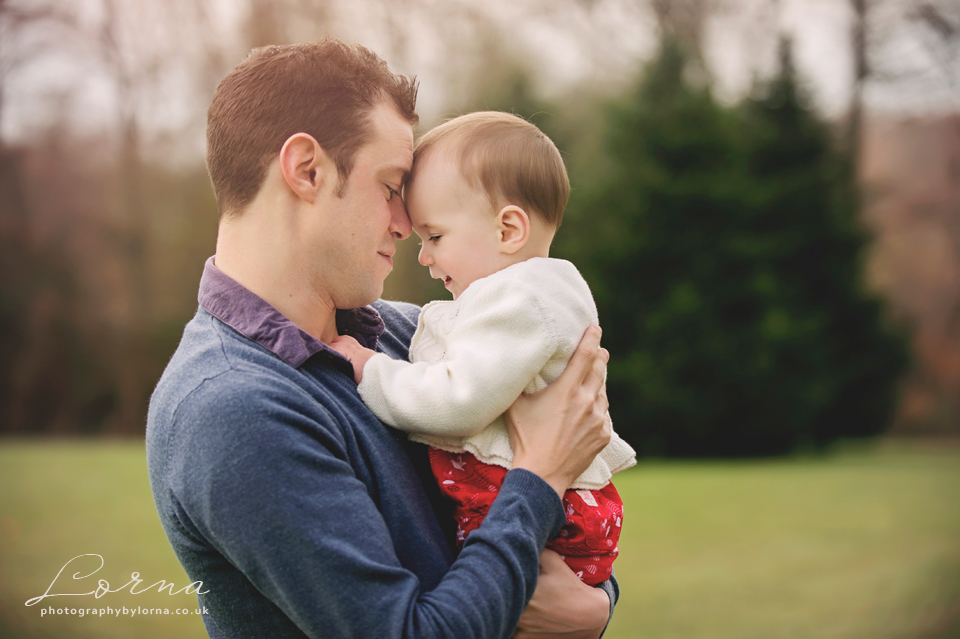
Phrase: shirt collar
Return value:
(253, 317)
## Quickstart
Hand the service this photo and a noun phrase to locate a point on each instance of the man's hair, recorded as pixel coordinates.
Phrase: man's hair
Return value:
(326, 89)
(507, 158)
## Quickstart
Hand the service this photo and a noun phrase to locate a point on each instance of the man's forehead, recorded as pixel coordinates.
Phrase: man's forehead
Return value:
(396, 160)
(393, 139)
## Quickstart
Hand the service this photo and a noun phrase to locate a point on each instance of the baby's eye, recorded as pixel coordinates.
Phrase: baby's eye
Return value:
(434, 238)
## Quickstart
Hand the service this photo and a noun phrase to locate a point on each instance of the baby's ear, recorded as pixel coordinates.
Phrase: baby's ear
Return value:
(513, 224)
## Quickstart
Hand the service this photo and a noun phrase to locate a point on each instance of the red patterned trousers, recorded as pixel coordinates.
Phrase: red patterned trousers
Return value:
(588, 540)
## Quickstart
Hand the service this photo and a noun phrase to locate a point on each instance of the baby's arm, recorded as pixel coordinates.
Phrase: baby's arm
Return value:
(351, 349)
(500, 340)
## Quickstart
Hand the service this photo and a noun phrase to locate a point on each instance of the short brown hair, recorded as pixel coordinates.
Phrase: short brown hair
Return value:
(326, 89)
(506, 157)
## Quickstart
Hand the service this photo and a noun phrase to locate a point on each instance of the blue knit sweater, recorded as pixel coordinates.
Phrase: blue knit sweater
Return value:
(305, 516)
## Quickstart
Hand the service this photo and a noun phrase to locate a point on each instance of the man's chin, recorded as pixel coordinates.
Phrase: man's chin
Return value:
(359, 299)
(356, 298)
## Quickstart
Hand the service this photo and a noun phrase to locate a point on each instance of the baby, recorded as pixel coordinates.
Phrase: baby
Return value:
(486, 196)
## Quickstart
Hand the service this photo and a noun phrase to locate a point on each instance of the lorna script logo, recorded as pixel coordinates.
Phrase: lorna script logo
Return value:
(103, 587)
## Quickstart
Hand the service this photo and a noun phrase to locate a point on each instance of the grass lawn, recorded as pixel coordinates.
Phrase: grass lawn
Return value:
(861, 543)
(62, 500)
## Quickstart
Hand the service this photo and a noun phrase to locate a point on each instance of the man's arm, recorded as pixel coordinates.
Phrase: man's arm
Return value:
(308, 533)
(563, 606)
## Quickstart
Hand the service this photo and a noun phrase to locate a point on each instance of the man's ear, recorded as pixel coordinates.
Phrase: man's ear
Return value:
(514, 227)
(306, 167)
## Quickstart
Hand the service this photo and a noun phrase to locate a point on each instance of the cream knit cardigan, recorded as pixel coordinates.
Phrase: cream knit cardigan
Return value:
(509, 333)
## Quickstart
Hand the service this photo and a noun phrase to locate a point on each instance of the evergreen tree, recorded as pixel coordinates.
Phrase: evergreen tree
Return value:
(723, 254)
(852, 361)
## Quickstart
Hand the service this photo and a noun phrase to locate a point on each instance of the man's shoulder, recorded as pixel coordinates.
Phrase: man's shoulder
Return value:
(243, 406)
(400, 323)
(217, 376)
(397, 313)
(200, 355)
(207, 351)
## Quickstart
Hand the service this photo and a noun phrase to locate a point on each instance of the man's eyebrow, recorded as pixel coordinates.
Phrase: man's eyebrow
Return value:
(402, 169)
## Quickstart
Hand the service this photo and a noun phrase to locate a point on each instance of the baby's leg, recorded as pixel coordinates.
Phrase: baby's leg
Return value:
(588, 541)
(470, 484)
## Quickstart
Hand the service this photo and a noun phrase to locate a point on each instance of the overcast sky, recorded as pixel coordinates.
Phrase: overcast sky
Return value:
(564, 45)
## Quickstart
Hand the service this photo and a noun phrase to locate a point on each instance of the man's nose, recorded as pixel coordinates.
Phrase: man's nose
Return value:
(400, 227)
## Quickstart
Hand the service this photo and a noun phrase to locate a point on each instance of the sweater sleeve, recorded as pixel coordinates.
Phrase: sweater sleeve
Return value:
(500, 340)
(320, 551)
(612, 588)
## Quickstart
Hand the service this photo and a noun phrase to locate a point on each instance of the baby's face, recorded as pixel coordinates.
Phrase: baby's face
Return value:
(457, 225)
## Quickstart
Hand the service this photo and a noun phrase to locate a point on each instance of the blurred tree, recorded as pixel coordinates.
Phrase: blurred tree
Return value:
(100, 264)
(861, 72)
(878, 31)
(683, 22)
(849, 366)
(52, 375)
(724, 256)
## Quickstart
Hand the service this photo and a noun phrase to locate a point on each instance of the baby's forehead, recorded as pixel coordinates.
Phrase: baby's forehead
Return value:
(440, 156)
(444, 167)
(437, 172)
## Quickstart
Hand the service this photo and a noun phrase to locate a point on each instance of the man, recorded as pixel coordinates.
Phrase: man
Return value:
(299, 511)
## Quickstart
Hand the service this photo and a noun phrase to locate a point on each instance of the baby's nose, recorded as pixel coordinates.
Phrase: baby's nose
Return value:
(424, 257)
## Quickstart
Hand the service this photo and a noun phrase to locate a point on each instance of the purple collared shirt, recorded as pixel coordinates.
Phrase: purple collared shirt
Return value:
(253, 317)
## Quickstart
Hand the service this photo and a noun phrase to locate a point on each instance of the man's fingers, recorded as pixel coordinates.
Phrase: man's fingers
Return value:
(584, 358)
(596, 375)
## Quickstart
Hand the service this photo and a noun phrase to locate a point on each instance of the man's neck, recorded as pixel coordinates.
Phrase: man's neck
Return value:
(269, 268)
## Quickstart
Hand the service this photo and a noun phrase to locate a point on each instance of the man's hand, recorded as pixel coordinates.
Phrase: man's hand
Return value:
(562, 605)
(557, 432)
(351, 349)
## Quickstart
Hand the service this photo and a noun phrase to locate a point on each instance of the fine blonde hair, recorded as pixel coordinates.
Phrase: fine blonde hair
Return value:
(507, 158)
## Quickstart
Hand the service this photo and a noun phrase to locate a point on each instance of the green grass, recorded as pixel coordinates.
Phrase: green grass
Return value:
(61, 500)
(862, 543)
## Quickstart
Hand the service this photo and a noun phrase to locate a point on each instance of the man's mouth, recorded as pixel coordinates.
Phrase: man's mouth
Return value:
(388, 256)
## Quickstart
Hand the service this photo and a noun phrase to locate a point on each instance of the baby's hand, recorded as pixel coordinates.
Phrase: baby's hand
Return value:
(351, 349)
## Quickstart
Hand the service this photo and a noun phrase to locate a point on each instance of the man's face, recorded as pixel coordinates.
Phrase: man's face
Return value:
(355, 243)
(456, 224)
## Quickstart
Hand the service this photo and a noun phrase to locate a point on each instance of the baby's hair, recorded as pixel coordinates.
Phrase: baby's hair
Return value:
(506, 157)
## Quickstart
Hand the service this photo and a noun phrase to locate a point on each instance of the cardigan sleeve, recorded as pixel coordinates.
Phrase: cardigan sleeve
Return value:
(501, 339)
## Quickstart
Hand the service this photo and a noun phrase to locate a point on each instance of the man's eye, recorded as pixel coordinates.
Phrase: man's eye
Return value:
(393, 192)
